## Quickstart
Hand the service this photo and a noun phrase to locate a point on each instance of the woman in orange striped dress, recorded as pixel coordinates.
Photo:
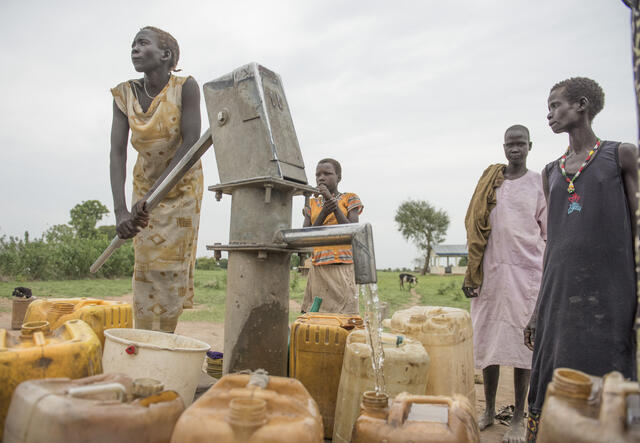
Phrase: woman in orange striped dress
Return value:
(331, 276)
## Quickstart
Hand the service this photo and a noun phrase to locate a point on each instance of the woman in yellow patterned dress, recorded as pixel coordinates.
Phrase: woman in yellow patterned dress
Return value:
(163, 113)
(332, 276)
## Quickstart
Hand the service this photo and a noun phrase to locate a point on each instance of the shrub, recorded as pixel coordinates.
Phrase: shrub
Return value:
(206, 263)
(66, 252)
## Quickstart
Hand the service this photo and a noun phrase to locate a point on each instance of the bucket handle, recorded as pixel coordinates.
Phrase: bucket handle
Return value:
(91, 390)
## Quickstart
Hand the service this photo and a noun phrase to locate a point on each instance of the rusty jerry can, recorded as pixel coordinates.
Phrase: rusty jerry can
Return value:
(447, 335)
(315, 358)
(253, 408)
(107, 408)
(99, 314)
(405, 367)
(73, 350)
(415, 419)
(19, 306)
(583, 409)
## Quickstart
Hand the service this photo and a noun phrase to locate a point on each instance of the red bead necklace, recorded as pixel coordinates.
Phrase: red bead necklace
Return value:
(571, 189)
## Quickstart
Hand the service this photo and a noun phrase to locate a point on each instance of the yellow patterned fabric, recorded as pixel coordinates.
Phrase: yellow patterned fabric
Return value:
(165, 250)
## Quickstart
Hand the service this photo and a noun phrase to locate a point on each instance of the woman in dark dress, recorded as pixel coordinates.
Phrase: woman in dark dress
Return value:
(587, 303)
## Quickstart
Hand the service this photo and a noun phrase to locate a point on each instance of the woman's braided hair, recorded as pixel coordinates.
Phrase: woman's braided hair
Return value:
(167, 41)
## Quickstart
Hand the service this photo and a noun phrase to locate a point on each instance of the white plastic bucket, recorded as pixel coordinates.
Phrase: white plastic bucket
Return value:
(175, 360)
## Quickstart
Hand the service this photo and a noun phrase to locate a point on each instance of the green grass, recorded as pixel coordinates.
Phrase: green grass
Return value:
(433, 290)
(297, 283)
(210, 291)
(93, 287)
(210, 288)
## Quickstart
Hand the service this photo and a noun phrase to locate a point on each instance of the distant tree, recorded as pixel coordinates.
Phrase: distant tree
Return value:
(295, 261)
(463, 261)
(423, 224)
(58, 233)
(108, 231)
(206, 263)
(85, 216)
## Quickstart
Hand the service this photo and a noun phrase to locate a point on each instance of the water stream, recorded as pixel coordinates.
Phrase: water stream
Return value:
(373, 323)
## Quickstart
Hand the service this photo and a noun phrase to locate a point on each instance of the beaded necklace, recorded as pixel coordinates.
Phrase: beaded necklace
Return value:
(571, 188)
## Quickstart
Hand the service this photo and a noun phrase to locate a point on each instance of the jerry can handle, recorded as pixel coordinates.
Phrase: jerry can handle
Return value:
(348, 323)
(399, 409)
(91, 390)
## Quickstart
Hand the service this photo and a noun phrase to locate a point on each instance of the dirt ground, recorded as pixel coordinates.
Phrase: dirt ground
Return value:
(213, 334)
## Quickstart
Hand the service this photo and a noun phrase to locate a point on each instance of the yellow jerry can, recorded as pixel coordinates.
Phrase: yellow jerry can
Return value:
(447, 335)
(72, 351)
(315, 358)
(254, 408)
(581, 408)
(405, 368)
(415, 419)
(99, 314)
(106, 408)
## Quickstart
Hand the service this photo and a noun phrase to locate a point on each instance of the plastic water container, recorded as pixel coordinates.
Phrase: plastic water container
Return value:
(99, 314)
(73, 350)
(578, 409)
(447, 335)
(19, 306)
(416, 419)
(317, 349)
(108, 408)
(406, 369)
(174, 360)
(252, 408)
(214, 364)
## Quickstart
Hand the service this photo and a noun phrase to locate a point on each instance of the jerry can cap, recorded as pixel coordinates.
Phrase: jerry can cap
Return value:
(354, 322)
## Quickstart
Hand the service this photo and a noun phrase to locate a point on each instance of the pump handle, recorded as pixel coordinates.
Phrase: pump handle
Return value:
(179, 170)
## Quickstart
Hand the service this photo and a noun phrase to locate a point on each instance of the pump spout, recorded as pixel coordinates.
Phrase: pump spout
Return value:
(359, 235)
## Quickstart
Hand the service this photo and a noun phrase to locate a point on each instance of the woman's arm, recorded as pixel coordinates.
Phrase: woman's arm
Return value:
(118, 172)
(352, 215)
(628, 155)
(530, 328)
(330, 205)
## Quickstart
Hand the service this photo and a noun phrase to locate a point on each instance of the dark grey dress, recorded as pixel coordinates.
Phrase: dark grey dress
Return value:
(588, 291)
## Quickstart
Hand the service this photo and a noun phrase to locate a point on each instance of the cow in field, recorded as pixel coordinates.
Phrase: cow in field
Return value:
(408, 279)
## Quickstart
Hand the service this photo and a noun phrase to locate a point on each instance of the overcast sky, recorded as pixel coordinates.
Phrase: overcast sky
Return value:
(411, 97)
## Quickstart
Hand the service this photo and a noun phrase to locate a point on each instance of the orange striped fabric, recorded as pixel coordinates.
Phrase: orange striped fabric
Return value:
(327, 255)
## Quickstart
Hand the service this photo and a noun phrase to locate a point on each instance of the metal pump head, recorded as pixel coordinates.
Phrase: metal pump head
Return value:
(253, 133)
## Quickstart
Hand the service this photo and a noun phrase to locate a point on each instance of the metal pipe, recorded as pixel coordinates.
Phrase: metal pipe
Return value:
(359, 235)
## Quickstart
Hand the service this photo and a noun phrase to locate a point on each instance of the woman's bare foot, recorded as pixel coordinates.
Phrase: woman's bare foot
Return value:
(516, 433)
(486, 420)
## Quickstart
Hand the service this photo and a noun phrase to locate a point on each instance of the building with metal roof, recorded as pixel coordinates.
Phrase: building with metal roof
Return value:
(445, 259)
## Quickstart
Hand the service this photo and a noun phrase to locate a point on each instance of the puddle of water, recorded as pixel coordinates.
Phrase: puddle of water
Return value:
(373, 323)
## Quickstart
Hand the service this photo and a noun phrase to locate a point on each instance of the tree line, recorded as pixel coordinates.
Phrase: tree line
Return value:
(67, 250)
